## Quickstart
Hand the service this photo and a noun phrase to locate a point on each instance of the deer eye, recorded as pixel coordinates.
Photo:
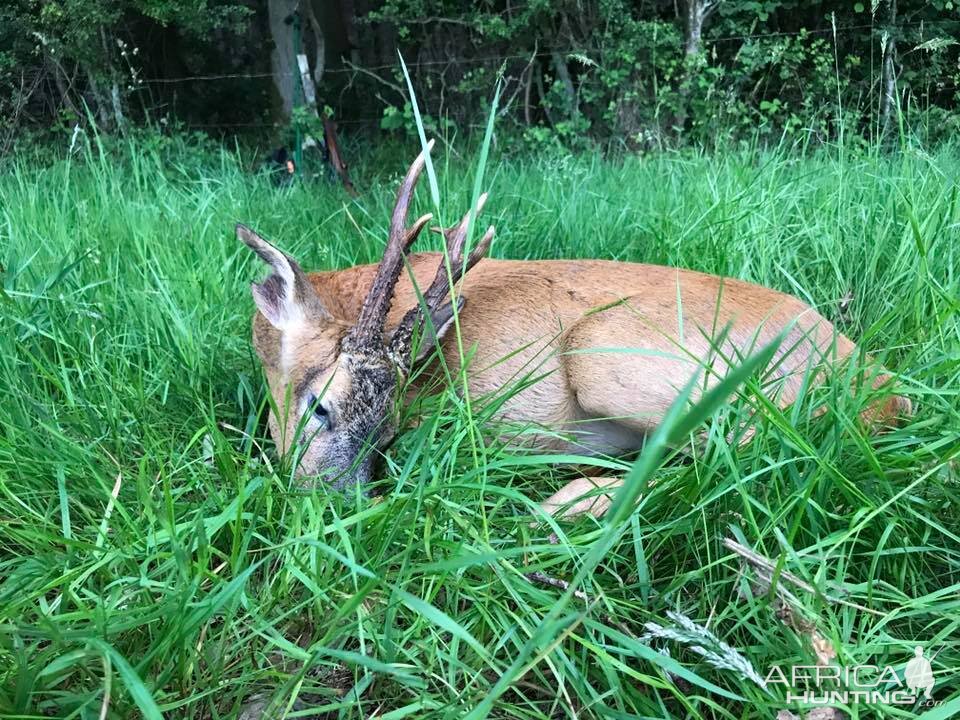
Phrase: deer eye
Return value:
(320, 413)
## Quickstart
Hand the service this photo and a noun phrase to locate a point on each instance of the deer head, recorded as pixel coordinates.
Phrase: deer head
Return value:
(334, 379)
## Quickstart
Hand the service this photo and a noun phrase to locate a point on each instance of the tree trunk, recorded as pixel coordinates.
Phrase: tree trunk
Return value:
(563, 75)
(99, 103)
(543, 96)
(348, 15)
(60, 80)
(888, 81)
(117, 105)
(697, 12)
(319, 41)
(282, 17)
(526, 93)
(115, 101)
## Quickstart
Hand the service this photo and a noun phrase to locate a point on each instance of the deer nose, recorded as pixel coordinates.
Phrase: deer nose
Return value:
(358, 474)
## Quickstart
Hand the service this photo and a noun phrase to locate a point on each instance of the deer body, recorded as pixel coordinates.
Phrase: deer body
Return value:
(603, 336)
(610, 344)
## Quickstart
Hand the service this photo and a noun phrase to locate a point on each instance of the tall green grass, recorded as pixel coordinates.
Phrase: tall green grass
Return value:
(157, 559)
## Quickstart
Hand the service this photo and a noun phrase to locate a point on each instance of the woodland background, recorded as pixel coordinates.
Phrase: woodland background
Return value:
(614, 73)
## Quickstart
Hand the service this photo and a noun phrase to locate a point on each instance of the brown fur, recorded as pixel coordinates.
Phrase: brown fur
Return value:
(614, 342)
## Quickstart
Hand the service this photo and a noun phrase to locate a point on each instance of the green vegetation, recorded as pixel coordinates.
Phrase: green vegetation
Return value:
(157, 557)
(622, 74)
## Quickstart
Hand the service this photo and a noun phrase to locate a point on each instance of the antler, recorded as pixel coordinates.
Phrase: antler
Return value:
(456, 240)
(369, 327)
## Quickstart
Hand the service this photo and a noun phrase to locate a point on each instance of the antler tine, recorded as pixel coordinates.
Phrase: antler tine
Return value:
(481, 250)
(399, 218)
(369, 325)
(456, 238)
(450, 233)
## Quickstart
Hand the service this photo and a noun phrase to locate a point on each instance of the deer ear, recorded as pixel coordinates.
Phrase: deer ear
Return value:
(441, 320)
(286, 298)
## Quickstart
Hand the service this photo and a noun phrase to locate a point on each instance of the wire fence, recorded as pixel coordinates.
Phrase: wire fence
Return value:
(528, 57)
(480, 60)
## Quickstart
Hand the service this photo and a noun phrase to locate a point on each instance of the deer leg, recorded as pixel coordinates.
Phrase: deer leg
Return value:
(592, 495)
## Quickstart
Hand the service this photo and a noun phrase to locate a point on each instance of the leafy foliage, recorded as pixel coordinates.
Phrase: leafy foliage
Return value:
(89, 51)
(577, 73)
(613, 70)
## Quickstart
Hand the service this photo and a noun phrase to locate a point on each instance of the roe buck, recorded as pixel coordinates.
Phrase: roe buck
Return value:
(615, 343)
